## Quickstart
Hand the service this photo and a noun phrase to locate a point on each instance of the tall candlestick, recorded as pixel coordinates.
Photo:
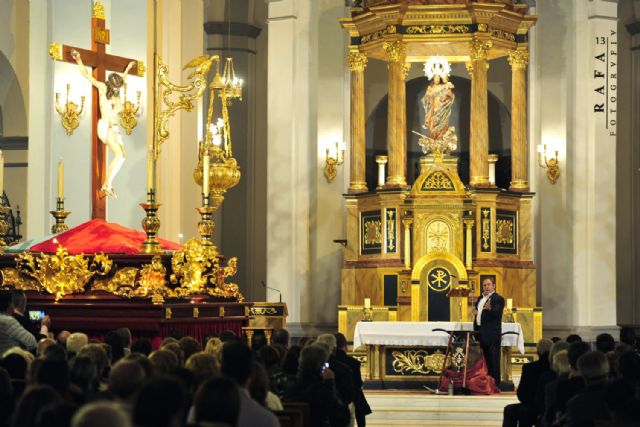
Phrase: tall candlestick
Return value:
(367, 303)
(150, 172)
(60, 179)
(509, 303)
(205, 175)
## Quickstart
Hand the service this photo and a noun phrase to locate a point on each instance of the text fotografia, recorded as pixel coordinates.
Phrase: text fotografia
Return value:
(605, 77)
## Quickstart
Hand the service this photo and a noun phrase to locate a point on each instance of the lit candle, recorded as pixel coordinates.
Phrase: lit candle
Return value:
(60, 179)
(205, 175)
(367, 303)
(1, 173)
(509, 303)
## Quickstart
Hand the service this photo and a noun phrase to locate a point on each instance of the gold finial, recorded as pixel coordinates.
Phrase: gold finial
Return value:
(55, 51)
(357, 61)
(98, 10)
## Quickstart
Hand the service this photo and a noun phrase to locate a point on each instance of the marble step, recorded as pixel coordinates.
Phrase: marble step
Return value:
(395, 408)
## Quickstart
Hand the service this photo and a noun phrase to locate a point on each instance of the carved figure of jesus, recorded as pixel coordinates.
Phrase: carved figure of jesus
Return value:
(110, 108)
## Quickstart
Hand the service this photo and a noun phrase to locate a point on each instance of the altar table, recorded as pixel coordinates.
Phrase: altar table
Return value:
(412, 353)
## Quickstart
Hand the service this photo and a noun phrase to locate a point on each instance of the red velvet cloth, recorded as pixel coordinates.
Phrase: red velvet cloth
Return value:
(478, 379)
(97, 236)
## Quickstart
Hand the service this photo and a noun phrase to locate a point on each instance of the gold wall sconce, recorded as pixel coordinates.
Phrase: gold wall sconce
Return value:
(332, 162)
(129, 112)
(549, 163)
(69, 112)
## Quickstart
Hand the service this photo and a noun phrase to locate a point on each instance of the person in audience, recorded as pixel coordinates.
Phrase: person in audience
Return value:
(629, 368)
(342, 372)
(142, 346)
(62, 336)
(84, 375)
(125, 380)
(560, 365)
(12, 334)
(627, 414)
(259, 389)
(487, 320)
(217, 403)
(280, 337)
(75, 342)
(227, 335)
(32, 402)
(573, 338)
(547, 377)
(174, 347)
(126, 338)
(361, 405)
(54, 373)
(19, 307)
(204, 366)
(524, 414)
(56, 415)
(114, 340)
(42, 346)
(270, 358)
(214, 347)
(143, 361)
(163, 361)
(315, 386)
(289, 371)
(605, 343)
(189, 346)
(97, 353)
(55, 352)
(588, 406)
(161, 402)
(28, 357)
(7, 401)
(237, 364)
(628, 337)
(101, 414)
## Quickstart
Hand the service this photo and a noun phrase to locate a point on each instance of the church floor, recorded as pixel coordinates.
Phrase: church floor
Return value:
(416, 408)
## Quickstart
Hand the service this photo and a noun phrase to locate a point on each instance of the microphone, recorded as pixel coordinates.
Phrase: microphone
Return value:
(264, 285)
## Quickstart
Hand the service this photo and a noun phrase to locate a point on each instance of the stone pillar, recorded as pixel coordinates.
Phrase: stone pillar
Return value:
(519, 174)
(397, 115)
(479, 131)
(357, 181)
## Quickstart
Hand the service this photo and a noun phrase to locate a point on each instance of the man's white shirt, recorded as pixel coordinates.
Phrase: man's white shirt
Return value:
(483, 301)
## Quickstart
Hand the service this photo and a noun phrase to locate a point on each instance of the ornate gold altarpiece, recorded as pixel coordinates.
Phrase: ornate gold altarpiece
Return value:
(418, 249)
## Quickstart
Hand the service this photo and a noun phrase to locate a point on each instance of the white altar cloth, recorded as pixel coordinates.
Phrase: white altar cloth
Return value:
(425, 333)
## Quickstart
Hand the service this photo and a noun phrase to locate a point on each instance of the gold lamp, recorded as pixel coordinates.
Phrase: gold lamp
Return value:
(69, 112)
(332, 161)
(549, 163)
(217, 170)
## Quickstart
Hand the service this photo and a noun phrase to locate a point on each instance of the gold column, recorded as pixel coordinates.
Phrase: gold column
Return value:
(357, 181)
(479, 131)
(396, 123)
(407, 242)
(468, 256)
(519, 59)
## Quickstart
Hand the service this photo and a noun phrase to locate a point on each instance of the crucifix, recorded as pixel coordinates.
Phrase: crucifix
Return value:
(100, 61)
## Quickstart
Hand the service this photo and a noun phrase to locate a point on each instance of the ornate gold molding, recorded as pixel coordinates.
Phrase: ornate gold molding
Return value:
(391, 29)
(417, 362)
(98, 10)
(396, 51)
(437, 29)
(357, 61)
(55, 51)
(518, 59)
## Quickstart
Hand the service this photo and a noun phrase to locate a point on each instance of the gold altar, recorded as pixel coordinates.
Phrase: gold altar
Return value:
(421, 249)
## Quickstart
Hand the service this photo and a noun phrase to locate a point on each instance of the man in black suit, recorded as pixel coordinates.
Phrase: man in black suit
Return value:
(487, 321)
(20, 306)
(362, 406)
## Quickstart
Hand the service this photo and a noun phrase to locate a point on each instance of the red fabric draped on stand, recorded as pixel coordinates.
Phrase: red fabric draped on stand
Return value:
(97, 236)
(478, 379)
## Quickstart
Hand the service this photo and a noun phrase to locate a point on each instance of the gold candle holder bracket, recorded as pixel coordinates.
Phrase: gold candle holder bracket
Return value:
(60, 215)
(151, 225)
(206, 225)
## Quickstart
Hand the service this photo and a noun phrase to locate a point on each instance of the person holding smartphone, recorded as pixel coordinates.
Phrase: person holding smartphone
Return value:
(39, 331)
(12, 334)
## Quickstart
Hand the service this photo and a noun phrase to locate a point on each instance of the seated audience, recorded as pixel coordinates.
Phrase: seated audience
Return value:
(237, 364)
(204, 366)
(174, 347)
(362, 407)
(62, 336)
(33, 401)
(75, 342)
(214, 347)
(114, 340)
(161, 402)
(574, 338)
(125, 380)
(7, 401)
(55, 352)
(163, 361)
(126, 338)
(560, 365)
(56, 415)
(227, 335)
(189, 346)
(588, 406)
(99, 356)
(84, 375)
(259, 389)
(142, 346)
(42, 346)
(217, 403)
(605, 343)
(315, 386)
(101, 414)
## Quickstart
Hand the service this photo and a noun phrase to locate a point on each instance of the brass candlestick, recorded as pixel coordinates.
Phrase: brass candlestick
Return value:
(151, 224)
(59, 214)
(4, 226)
(206, 225)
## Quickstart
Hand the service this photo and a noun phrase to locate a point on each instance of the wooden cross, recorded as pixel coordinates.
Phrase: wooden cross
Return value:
(100, 61)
